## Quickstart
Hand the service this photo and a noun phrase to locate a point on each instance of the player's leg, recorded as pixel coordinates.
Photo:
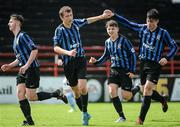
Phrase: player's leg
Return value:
(153, 76)
(77, 96)
(143, 76)
(67, 90)
(32, 83)
(126, 95)
(157, 97)
(24, 104)
(40, 96)
(136, 89)
(82, 83)
(162, 99)
(113, 91)
(23, 101)
(146, 101)
(75, 89)
(114, 82)
(71, 100)
(128, 91)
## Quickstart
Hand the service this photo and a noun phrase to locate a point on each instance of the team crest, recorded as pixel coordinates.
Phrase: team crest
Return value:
(132, 50)
(158, 37)
(119, 46)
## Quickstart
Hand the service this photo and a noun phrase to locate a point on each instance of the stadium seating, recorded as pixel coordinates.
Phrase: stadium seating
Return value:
(41, 19)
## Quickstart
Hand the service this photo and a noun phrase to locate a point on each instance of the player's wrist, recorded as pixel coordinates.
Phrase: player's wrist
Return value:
(101, 17)
(167, 58)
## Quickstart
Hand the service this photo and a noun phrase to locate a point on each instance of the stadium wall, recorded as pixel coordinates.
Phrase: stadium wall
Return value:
(97, 85)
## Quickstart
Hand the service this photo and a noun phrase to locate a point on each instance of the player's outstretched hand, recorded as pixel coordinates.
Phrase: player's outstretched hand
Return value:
(5, 67)
(59, 62)
(163, 61)
(72, 53)
(92, 60)
(23, 69)
(108, 13)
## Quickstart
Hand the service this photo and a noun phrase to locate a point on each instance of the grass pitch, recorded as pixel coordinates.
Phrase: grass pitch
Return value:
(103, 115)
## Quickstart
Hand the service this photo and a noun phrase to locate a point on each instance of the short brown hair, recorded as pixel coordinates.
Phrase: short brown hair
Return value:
(112, 23)
(64, 9)
(18, 18)
(153, 14)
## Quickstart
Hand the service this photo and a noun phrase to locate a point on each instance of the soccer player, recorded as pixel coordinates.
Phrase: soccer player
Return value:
(28, 76)
(67, 43)
(123, 63)
(153, 39)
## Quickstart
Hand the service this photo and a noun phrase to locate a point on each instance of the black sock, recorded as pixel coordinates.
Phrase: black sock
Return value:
(84, 102)
(26, 109)
(44, 96)
(156, 96)
(79, 103)
(135, 90)
(54, 94)
(118, 106)
(145, 107)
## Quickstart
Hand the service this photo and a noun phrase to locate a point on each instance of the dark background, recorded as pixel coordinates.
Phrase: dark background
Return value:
(41, 18)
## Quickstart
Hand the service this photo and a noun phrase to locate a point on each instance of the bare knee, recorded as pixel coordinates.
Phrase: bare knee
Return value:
(113, 92)
(82, 85)
(148, 89)
(21, 94)
(126, 95)
(21, 91)
(83, 90)
(76, 92)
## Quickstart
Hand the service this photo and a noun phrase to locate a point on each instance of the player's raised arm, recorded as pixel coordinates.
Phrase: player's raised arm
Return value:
(132, 25)
(105, 15)
(92, 60)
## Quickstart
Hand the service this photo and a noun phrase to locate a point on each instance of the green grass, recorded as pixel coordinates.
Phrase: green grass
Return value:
(103, 115)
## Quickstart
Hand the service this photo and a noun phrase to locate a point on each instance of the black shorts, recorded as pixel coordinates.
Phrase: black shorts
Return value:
(119, 76)
(149, 70)
(30, 78)
(75, 69)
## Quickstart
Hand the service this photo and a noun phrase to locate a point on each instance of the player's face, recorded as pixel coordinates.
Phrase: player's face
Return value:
(12, 24)
(67, 17)
(152, 24)
(112, 31)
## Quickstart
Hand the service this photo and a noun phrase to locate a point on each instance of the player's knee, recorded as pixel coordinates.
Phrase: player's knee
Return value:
(113, 92)
(127, 96)
(21, 94)
(83, 90)
(147, 91)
